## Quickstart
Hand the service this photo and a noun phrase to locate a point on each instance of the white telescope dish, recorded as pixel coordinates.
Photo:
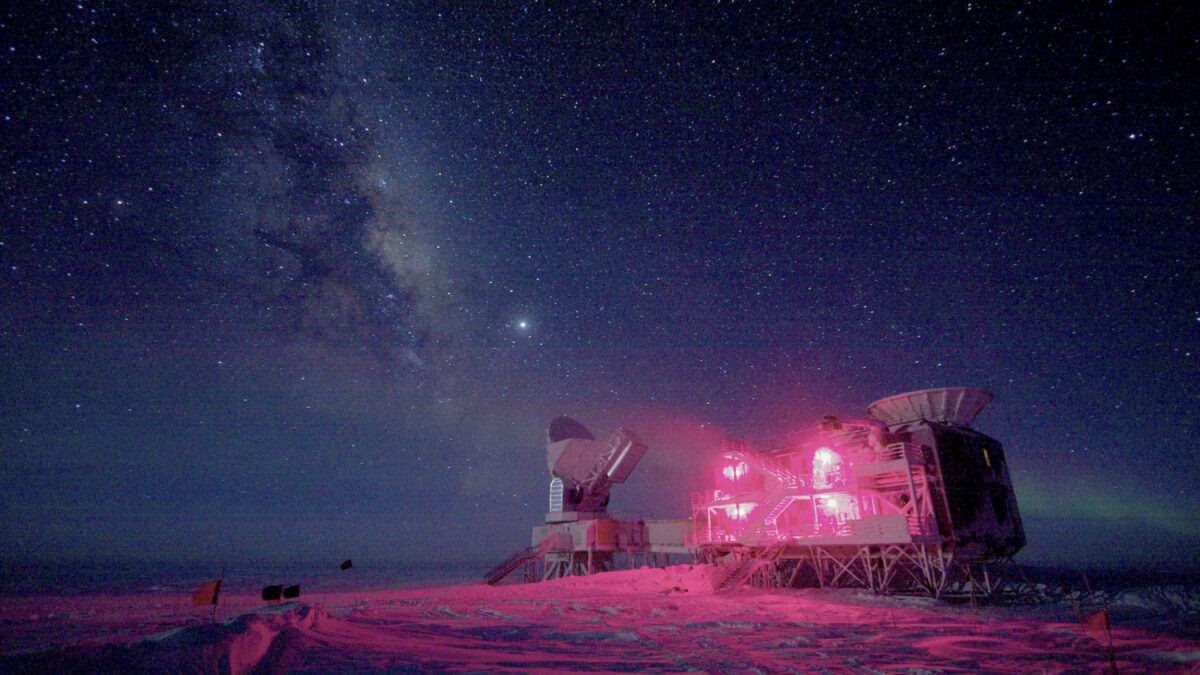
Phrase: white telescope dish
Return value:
(948, 405)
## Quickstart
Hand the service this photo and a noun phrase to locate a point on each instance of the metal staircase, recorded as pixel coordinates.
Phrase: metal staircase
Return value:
(527, 554)
(770, 526)
(774, 502)
(743, 570)
(760, 517)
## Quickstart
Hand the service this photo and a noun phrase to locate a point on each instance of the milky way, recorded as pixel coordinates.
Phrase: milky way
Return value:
(311, 279)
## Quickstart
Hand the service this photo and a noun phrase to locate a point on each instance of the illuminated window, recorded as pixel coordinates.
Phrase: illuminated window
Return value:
(734, 471)
(827, 469)
(739, 511)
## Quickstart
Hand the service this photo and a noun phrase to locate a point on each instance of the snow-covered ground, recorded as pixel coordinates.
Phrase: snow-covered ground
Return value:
(647, 620)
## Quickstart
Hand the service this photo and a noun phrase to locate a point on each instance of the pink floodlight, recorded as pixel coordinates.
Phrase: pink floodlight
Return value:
(734, 471)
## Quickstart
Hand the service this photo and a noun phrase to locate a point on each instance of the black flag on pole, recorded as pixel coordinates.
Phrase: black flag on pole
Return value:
(346, 564)
(292, 591)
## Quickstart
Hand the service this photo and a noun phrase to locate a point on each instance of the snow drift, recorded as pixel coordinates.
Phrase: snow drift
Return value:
(649, 620)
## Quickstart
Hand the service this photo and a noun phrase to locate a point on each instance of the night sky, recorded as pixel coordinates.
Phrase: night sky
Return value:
(308, 279)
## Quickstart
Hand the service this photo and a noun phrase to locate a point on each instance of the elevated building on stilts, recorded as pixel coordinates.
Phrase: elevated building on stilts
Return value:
(909, 498)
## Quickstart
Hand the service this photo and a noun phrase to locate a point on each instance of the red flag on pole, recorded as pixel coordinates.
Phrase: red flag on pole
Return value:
(207, 594)
(1096, 622)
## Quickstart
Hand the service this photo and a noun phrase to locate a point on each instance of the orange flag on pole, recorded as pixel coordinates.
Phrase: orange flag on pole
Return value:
(207, 594)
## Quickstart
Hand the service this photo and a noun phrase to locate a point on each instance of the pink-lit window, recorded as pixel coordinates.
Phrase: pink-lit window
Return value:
(823, 457)
(827, 469)
(734, 471)
(839, 507)
(739, 511)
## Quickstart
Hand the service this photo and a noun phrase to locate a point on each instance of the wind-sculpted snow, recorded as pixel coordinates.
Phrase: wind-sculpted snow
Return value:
(646, 621)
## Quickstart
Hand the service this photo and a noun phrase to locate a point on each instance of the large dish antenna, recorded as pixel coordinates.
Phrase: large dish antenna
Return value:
(562, 428)
(588, 467)
(948, 405)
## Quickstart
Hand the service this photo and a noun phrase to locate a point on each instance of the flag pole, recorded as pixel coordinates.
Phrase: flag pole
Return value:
(217, 595)
(1112, 654)
(348, 564)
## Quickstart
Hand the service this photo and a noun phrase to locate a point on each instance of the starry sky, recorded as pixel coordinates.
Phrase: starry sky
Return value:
(289, 279)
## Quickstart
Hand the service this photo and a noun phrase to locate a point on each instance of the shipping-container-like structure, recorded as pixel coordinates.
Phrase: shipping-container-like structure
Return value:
(911, 497)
